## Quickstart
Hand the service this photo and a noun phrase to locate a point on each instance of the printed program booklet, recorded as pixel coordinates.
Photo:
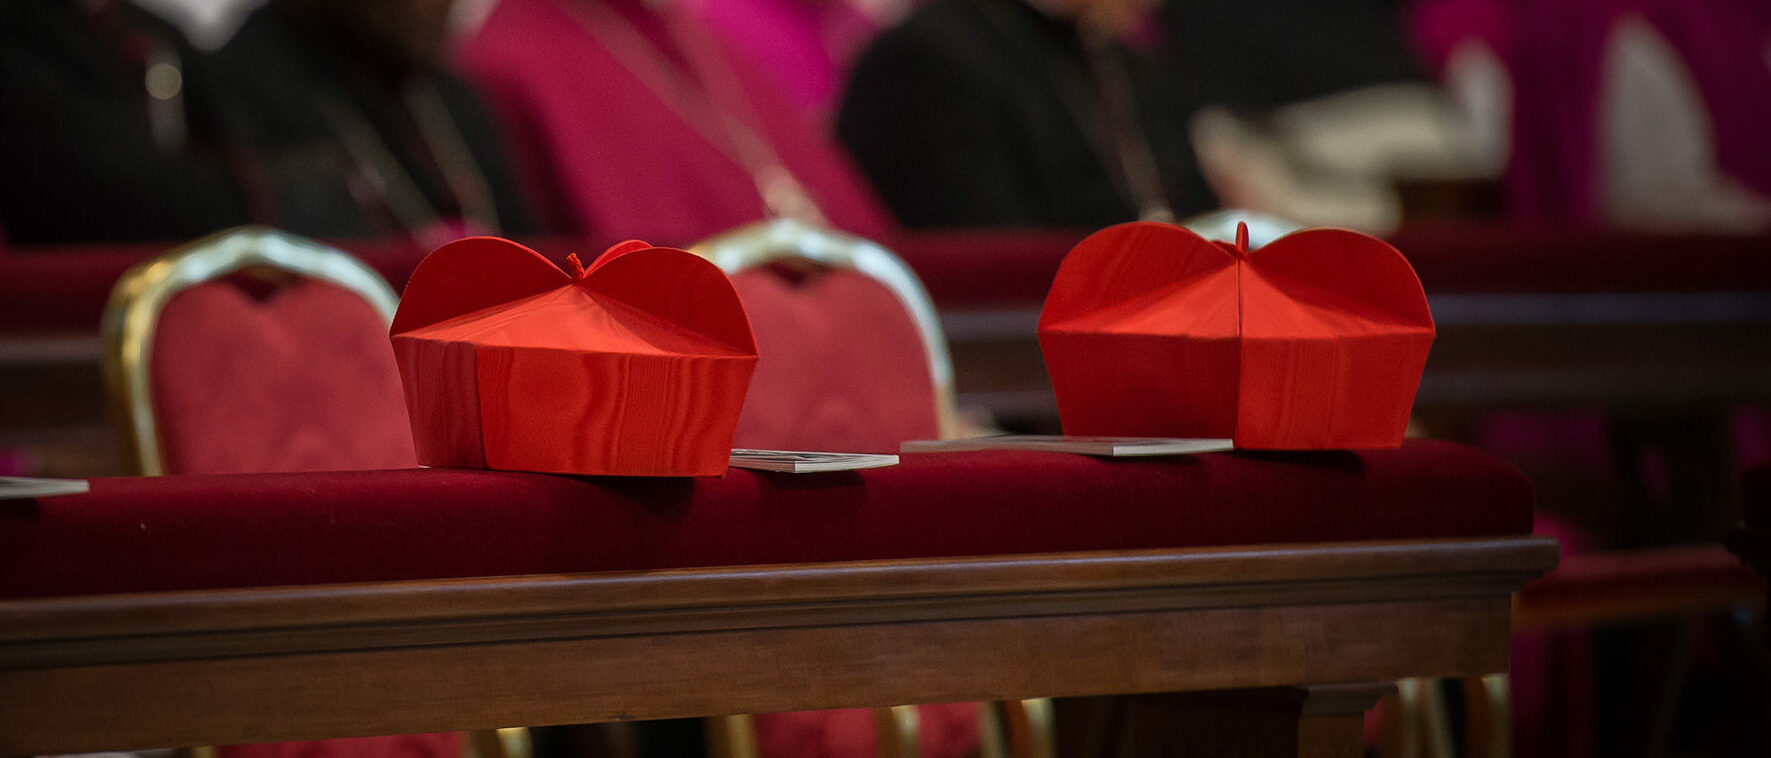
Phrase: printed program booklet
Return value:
(25, 488)
(807, 462)
(1111, 447)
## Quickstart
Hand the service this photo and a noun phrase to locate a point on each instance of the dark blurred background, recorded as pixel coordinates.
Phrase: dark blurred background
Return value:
(1583, 185)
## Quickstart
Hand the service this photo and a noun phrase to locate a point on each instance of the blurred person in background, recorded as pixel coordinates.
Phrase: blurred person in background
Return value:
(354, 128)
(1646, 113)
(1273, 53)
(102, 138)
(805, 46)
(1318, 113)
(1022, 113)
(639, 119)
(321, 117)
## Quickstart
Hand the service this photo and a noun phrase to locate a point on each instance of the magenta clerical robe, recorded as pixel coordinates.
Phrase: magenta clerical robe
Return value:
(584, 88)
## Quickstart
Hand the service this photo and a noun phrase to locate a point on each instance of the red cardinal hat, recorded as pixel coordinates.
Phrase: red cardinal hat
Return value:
(636, 365)
(1314, 341)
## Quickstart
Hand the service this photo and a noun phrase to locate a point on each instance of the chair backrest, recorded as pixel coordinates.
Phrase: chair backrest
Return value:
(206, 377)
(852, 357)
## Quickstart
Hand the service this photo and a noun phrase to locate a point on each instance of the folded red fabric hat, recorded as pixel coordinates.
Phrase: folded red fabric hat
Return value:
(634, 366)
(1315, 341)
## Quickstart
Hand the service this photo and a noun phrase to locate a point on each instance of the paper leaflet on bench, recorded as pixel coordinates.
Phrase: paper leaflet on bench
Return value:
(807, 462)
(25, 488)
(1111, 447)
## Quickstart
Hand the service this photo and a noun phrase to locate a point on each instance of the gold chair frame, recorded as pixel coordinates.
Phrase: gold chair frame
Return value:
(768, 242)
(133, 313)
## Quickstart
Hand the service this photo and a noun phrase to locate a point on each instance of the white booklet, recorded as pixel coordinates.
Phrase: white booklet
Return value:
(26, 488)
(806, 462)
(1111, 447)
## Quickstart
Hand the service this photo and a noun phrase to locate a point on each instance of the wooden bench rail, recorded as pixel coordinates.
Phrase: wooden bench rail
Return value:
(227, 666)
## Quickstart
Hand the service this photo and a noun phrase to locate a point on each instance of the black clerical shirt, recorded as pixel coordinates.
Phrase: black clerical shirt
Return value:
(988, 113)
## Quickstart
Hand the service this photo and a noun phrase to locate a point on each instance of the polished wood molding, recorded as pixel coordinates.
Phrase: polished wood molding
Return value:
(306, 619)
(1647, 605)
(225, 666)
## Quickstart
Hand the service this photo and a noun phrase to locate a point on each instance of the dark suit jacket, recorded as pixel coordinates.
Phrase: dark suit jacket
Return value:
(1258, 55)
(268, 82)
(78, 158)
(981, 112)
(80, 161)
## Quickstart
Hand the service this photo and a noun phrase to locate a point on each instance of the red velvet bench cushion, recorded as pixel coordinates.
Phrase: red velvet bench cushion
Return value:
(196, 532)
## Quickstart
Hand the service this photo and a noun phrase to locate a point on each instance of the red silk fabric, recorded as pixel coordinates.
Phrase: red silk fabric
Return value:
(302, 381)
(1316, 341)
(840, 367)
(199, 532)
(635, 366)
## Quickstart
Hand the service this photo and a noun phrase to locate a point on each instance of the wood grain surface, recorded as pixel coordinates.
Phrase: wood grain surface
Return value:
(220, 667)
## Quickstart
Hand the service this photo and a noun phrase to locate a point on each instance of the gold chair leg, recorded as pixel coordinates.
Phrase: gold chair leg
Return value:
(731, 736)
(511, 742)
(1027, 727)
(898, 729)
(1490, 708)
(990, 731)
(1435, 722)
(1416, 726)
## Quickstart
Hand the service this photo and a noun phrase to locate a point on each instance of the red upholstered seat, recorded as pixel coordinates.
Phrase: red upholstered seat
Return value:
(841, 365)
(194, 532)
(301, 381)
(235, 392)
(442, 745)
(941, 730)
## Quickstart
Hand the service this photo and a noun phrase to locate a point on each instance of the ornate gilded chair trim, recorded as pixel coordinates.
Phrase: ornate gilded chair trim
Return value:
(767, 242)
(133, 312)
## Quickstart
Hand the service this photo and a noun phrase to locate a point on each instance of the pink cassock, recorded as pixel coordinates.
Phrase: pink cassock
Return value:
(1555, 52)
(607, 156)
(805, 46)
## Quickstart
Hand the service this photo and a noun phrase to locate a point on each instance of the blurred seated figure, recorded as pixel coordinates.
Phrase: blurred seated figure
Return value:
(1022, 113)
(208, 24)
(97, 142)
(635, 120)
(1348, 159)
(323, 117)
(1647, 113)
(1274, 53)
(351, 128)
(805, 46)
(1317, 112)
